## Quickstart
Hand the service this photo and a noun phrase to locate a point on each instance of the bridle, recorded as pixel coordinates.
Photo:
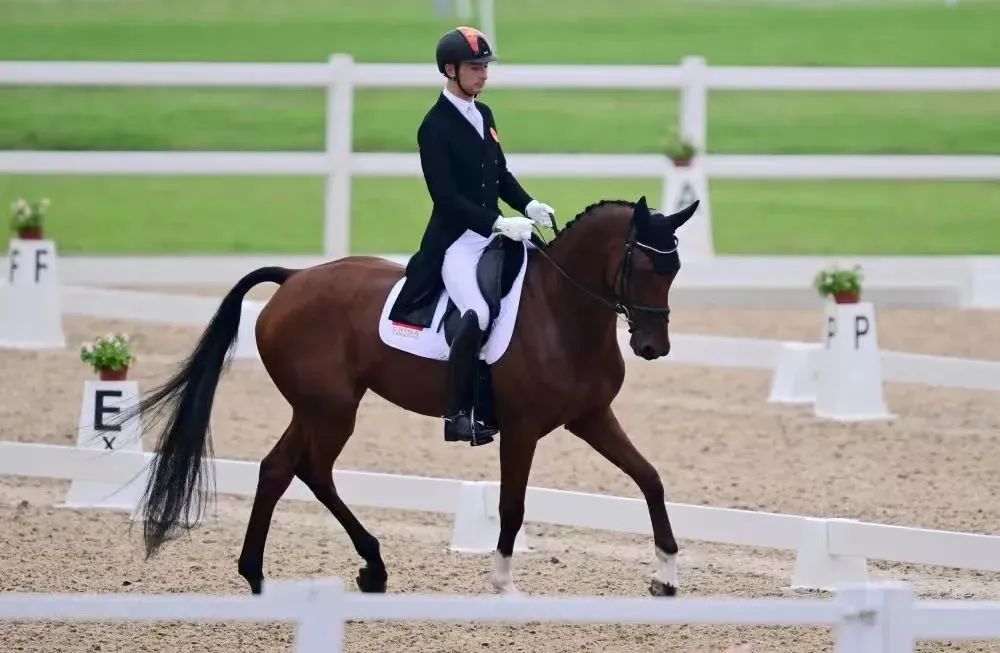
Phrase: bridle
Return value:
(623, 283)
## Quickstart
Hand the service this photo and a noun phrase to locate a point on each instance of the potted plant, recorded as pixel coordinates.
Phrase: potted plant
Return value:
(110, 356)
(26, 218)
(843, 284)
(679, 149)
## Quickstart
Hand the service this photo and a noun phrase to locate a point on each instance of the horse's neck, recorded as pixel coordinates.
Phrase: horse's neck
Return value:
(582, 253)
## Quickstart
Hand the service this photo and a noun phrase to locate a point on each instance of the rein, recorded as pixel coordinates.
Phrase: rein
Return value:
(623, 279)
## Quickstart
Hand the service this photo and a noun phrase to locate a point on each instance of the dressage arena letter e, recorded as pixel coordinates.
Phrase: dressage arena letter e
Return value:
(100, 410)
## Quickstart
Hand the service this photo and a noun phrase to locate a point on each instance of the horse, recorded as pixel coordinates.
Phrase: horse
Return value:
(318, 341)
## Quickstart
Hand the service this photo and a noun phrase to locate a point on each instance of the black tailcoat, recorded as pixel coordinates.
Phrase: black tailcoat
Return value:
(466, 175)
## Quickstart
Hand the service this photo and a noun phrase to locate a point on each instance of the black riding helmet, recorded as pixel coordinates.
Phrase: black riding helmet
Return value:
(463, 45)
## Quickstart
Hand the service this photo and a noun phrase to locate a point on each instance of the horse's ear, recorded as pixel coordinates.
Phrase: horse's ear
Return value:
(682, 216)
(640, 214)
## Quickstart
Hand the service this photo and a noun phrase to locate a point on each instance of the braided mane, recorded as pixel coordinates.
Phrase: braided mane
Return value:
(586, 213)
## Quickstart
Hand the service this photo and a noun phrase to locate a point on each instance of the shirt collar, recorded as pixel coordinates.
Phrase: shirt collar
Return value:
(462, 105)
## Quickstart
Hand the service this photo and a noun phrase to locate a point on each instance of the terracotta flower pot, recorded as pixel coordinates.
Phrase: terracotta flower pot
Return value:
(681, 162)
(847, 297)
(107, 374)
(30, 233)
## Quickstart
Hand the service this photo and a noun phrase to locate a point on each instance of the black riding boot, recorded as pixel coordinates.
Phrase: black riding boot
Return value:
(458, 425)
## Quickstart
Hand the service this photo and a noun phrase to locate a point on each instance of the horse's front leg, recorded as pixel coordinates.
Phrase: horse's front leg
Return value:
(517, 449)
(602, 431)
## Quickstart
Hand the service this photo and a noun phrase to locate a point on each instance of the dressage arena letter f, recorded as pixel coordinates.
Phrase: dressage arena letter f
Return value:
(39, 266)
(13, 264)
(100, 410)
(831, 329)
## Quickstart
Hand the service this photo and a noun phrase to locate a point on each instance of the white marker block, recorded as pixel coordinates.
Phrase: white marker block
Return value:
(850, 378)
(795, 374)
(30, 312)
(682, 186)
(101, 430)
(246, 337)
(816, 568)
(477, 521)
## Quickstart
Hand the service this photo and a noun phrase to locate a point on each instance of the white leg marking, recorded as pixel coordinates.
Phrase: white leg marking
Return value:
(666, 568)
(501, 578)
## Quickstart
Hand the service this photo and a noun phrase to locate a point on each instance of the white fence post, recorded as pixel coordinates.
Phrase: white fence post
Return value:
(875, 618)
(488, 21)
(320, 627)
(694, 102)
(339, 144)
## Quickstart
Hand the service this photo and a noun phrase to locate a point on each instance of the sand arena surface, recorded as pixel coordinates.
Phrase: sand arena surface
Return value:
(708, 431)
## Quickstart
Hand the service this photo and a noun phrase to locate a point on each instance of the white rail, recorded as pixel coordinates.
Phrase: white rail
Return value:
(866, 618)
(338, 163)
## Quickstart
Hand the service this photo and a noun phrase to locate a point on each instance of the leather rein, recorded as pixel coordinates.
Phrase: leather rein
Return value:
(622, 304)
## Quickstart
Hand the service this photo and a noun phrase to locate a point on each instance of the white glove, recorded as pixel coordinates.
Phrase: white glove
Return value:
(513, 228)
(540, 213)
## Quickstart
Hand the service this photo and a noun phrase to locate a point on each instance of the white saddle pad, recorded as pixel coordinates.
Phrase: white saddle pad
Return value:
(430, 342)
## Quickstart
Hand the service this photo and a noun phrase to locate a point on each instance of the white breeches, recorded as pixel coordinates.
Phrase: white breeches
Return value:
(459, 275)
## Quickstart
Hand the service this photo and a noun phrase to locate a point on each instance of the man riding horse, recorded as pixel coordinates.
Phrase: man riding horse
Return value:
(466, 173)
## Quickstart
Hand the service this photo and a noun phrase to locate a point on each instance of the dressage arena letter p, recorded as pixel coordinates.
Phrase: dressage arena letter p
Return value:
(850, 372)
(103, 432)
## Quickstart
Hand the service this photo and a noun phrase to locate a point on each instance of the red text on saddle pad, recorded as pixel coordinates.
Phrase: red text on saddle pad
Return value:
(406, 330)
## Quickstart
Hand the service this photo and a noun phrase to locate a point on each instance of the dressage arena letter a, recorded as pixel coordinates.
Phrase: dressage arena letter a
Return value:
(687, 196)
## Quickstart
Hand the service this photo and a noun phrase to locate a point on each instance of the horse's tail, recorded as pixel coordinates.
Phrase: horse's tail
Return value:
(178, 486)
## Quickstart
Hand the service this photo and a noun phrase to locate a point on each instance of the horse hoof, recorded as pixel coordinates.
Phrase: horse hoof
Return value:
(659, 588)
(371, 582)
(255, 584)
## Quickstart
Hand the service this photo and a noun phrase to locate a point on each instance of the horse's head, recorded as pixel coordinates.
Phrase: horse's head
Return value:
(644, 271)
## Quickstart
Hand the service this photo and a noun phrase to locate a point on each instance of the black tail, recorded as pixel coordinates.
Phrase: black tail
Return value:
(178, 485)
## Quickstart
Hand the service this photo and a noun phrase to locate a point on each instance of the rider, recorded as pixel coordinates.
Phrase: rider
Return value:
(466, 173)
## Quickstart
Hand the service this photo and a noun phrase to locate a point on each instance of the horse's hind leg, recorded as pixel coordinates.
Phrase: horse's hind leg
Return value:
(327, 435)
(276, 472)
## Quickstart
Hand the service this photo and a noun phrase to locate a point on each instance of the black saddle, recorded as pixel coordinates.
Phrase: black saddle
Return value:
(496, 271)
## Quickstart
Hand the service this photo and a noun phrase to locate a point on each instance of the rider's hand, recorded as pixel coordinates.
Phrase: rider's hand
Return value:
(513, 228)
(540, 213)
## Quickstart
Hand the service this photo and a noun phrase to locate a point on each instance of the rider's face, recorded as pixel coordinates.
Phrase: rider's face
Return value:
(473, 76)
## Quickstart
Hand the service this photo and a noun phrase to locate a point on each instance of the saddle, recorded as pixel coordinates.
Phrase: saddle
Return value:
(496, 272)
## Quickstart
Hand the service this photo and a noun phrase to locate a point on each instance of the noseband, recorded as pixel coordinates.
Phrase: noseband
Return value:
(623, 284)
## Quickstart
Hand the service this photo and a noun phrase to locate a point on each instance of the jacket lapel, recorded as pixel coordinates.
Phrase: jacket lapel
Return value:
(456, 115)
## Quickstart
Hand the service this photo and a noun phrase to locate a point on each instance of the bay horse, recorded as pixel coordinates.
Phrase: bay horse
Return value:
(318, 340)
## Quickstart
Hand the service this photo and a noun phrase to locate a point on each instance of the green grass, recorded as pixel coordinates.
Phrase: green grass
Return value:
(728, 32)
(223, 214)
(529, 121)
(190, 214)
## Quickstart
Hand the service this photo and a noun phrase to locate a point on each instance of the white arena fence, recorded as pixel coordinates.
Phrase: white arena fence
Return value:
(723, 351)
(828, 551)
(338, 163)
(864, 618)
